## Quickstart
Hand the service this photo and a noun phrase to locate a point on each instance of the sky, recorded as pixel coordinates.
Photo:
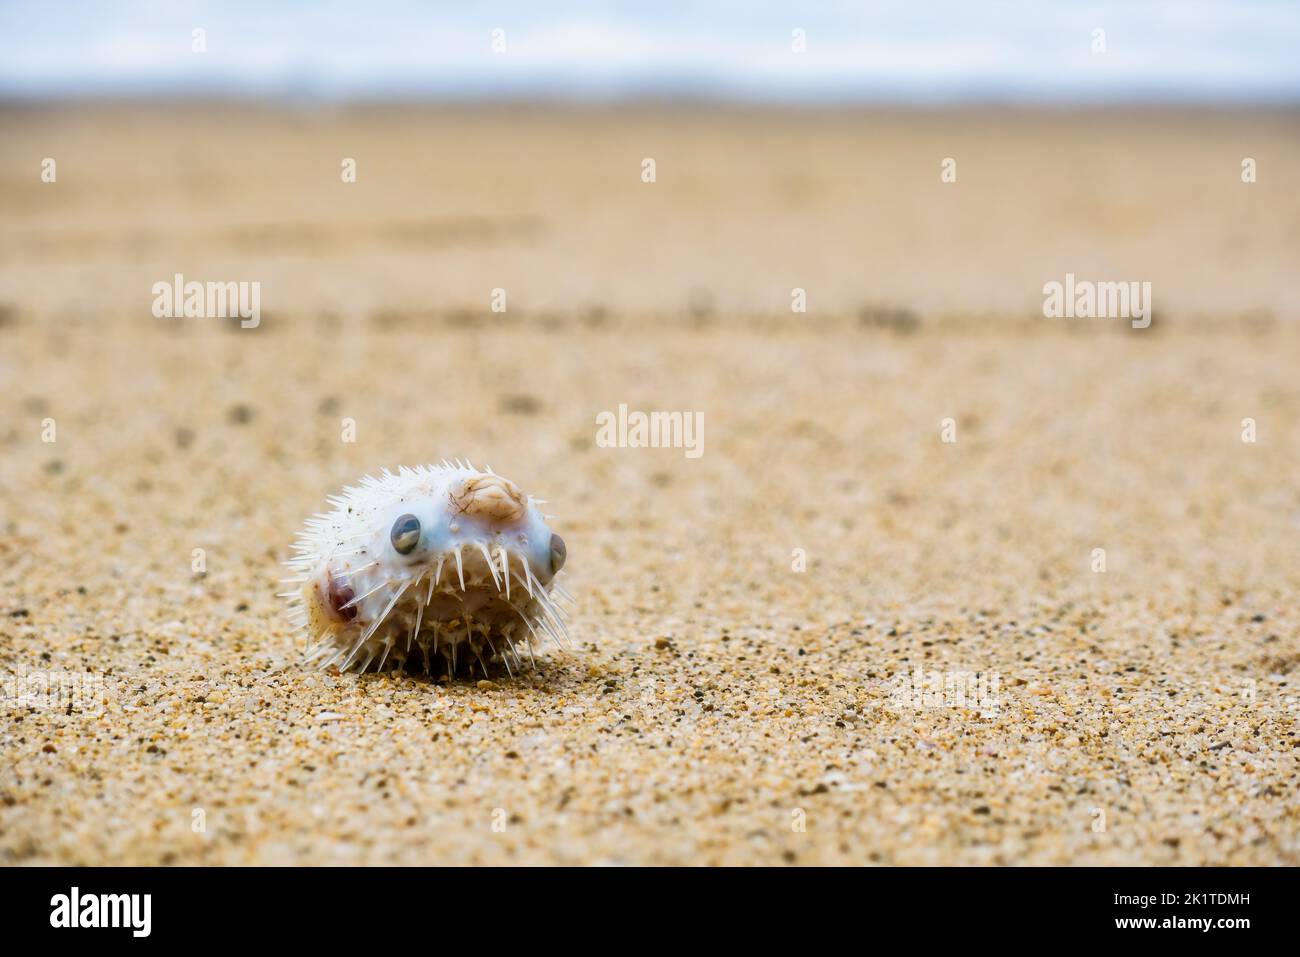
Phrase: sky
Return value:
(944, 50)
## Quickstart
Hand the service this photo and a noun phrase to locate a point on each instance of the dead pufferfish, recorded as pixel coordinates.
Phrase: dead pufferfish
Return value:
(441, 564)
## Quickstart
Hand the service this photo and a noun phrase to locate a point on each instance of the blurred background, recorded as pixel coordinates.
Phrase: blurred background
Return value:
(1061, 118)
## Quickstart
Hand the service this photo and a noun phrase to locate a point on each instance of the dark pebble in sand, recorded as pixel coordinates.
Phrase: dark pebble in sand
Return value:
(520, 404)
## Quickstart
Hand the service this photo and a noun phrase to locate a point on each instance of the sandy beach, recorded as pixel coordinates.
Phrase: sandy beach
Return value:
(742, 619)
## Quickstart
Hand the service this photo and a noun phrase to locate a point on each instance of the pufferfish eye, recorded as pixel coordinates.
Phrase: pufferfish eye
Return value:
(558, 553)
(405, 534)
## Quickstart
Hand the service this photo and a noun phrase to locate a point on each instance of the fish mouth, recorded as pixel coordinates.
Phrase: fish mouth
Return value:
(475, 626)
(472, 616)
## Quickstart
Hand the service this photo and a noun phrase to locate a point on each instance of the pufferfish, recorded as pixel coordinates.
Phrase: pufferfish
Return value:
(441, 564)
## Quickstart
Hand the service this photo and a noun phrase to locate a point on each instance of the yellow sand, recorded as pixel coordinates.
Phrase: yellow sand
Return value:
(719, 706)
